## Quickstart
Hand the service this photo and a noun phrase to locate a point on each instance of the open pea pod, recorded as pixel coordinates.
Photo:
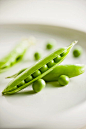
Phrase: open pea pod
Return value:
(13, 85)
(16, 54)
(70, 70)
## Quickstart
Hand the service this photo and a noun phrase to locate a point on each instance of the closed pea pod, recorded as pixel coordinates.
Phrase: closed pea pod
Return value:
(35, 67)
(68, 70)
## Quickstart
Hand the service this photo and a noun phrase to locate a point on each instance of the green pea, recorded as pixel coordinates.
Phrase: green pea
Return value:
(43, 68)
(36, 67)
(63, 80)
(51, 63)
(77, 51)
(58, 58)
(49, 46)
(29, 78)
(38, 85)
(21, 83)
(68, 70)
(37, 55)
(63, 53)
(36, 73)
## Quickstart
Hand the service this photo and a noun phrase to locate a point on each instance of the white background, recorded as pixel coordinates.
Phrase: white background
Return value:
(69, 13)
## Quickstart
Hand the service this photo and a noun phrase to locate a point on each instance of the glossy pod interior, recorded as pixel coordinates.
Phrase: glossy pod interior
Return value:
(51, 63)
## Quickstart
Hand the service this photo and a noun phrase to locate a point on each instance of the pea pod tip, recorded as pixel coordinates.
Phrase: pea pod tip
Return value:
(74, 42)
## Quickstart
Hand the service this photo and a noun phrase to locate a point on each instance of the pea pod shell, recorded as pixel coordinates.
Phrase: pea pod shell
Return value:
(69, 70)
(35, 67)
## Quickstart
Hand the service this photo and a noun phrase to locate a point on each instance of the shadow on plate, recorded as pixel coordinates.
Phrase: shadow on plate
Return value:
(31, 92)
(22, 93)
(53, 85)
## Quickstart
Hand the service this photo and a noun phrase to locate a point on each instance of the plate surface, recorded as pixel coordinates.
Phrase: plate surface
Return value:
(54, 107)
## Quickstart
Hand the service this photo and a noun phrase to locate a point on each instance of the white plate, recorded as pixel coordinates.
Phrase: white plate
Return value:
(53, 107)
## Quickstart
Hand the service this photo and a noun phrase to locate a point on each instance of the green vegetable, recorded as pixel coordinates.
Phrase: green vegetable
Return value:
(77, 51)
(51, 63)
(21, 83)
(29, 78)
(15, 55)
(49, 46)
(62, 54)
(57, 59)
(38, 85)
(10, 88)
(68, 70)
(63, 80)
(36, 73)
(43, 68)
(37, 55)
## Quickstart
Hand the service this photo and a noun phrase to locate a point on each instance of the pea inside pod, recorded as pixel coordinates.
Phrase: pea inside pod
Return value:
(70, 70)
(30, 71)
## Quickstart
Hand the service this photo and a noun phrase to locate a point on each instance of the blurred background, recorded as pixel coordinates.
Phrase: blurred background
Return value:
(64, 13)
(68, 13)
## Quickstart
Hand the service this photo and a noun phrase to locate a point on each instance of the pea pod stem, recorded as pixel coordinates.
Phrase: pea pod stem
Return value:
(9, 89)
(16, 54)
(15, 75)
